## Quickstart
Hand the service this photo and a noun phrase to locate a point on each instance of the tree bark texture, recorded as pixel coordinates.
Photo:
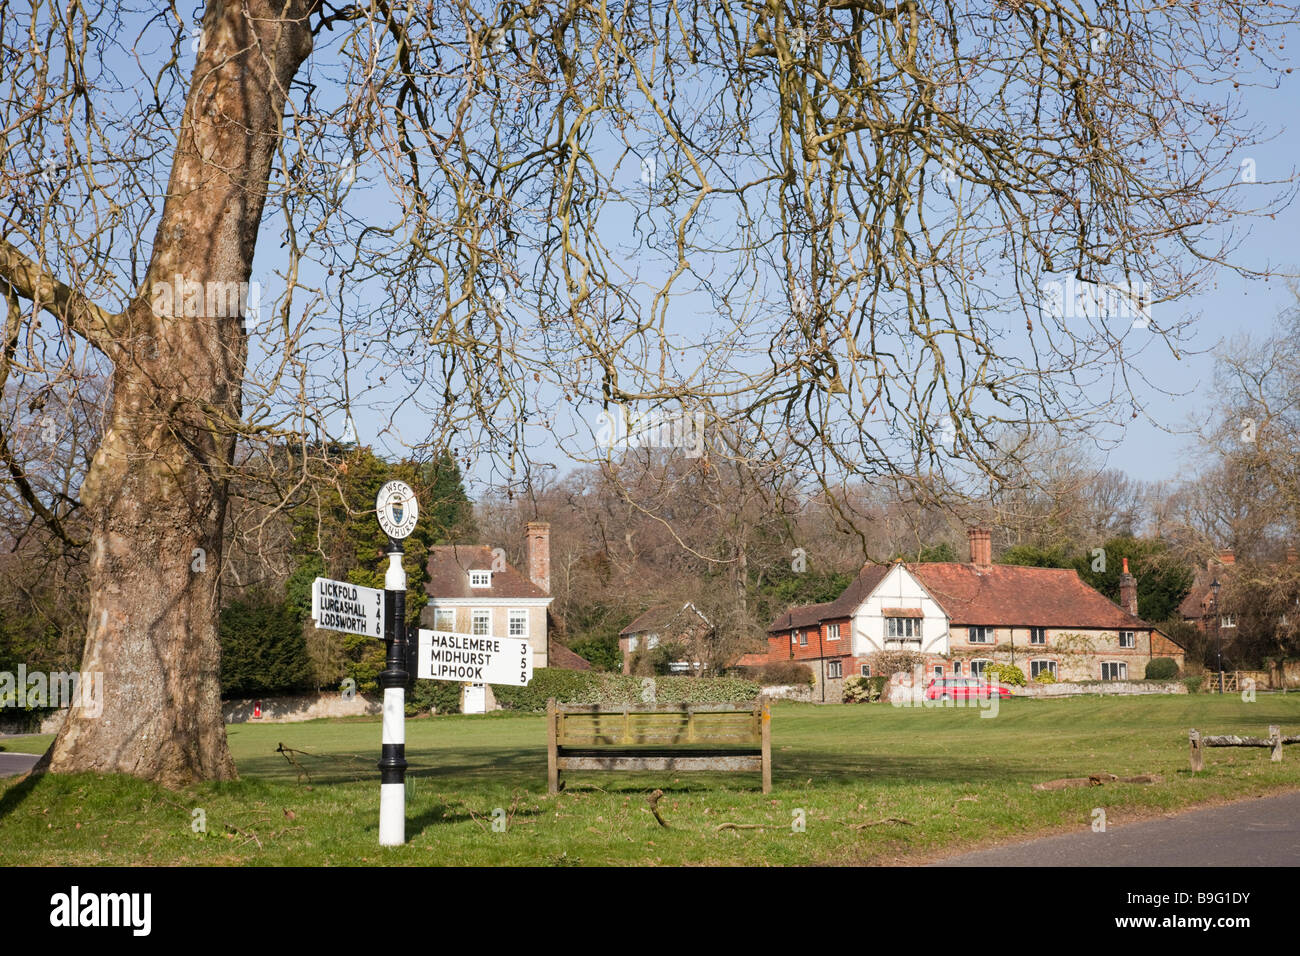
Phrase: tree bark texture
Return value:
(157, 488)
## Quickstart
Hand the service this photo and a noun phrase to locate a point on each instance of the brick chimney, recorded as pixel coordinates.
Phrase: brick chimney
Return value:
(981, 547)
(1226, 556)
(538, 541)
(1292, 556)
(1128, 591)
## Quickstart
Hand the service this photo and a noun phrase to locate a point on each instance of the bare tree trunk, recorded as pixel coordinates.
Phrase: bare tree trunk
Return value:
(157, 489)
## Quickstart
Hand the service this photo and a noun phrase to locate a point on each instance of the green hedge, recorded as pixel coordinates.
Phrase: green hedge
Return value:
(704, 690)
(1008, 674)
(593, 687)
(440, 695)
(1162, 668)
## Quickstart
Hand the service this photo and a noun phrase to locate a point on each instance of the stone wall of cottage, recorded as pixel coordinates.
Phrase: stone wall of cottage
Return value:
(1078, 653)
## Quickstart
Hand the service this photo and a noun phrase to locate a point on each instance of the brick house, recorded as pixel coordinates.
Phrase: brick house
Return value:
(665, 624)
(960, 617)
(1198, 608)
(1220, 622)
(821, 635)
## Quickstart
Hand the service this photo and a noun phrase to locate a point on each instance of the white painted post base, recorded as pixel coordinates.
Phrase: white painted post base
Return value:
(392, 814)
(392, 796)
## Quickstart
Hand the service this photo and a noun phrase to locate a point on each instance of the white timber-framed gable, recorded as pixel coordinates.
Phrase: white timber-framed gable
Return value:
(900, 590)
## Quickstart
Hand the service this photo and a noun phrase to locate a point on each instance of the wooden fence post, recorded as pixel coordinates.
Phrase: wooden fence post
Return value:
(1197, 755)
(552, 770)
(766, 718)
(1275, 735)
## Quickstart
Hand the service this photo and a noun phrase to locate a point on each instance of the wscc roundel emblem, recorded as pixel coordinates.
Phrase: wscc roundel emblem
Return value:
(397, 509)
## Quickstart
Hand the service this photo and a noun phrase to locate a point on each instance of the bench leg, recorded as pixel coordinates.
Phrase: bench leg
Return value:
(552, 771)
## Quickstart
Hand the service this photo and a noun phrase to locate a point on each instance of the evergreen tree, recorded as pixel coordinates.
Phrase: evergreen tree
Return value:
(450, 512)
(1161, 582)
(263, 650)
(336, 535)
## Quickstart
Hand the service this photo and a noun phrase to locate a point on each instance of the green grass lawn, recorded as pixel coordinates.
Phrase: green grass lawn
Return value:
(959, 780)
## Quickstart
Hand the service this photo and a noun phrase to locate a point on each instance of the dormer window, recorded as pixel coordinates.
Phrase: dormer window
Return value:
(480, 579)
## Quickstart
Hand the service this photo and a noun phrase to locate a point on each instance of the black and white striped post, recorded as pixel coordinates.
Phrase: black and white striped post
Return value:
(393, 679)
(397, 512)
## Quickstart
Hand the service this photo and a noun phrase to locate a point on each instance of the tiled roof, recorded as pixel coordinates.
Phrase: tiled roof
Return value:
(557, 655)
(807, 615)
(1020, 597)
(660, 617)
(999, 595)
(1193, 606)
(859, 590)
(751, 660)
(449, 567)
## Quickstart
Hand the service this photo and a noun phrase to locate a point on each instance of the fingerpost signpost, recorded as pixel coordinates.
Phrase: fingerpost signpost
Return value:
(397, 511)
(442, 655)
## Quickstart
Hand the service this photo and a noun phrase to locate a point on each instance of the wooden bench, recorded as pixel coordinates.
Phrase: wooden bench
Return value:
(667, 737)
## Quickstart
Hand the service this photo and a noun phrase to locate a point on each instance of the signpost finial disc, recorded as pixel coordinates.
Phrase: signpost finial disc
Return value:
(397, 509)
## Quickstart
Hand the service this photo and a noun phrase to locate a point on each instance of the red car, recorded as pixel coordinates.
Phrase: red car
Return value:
(964, 688)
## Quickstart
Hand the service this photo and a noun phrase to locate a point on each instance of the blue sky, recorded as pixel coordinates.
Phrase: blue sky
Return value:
(1160, 449)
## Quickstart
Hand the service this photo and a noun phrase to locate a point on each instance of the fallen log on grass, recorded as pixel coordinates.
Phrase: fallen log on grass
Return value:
(1096, 780)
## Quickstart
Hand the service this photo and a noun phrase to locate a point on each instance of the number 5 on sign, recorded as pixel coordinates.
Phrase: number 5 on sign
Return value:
(473, 658)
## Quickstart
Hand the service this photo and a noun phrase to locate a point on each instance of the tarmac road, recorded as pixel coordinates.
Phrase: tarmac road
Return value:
(13, 764)
(1259, 832)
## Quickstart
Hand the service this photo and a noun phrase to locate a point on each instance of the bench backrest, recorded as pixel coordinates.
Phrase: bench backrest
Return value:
(592, 725)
